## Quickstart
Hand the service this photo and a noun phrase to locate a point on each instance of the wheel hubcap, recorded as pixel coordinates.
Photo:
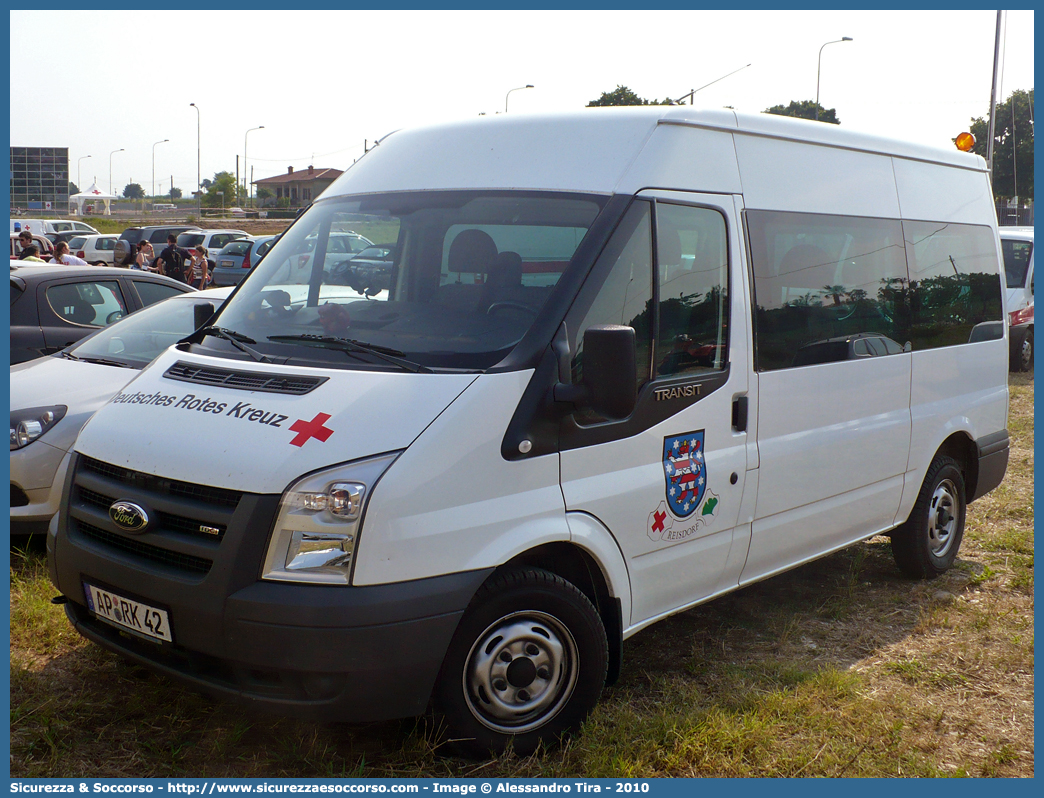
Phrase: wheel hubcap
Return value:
(942, 522)
(520, 672)
(1027, 355)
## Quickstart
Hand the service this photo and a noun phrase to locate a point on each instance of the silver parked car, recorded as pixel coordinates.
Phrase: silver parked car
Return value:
(235, 260)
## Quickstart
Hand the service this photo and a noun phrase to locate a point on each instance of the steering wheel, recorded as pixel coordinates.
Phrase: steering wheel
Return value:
(279, 303)
(509, 304)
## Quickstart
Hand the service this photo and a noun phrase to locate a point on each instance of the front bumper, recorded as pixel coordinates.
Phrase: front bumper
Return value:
(37, 475)
(320, 652)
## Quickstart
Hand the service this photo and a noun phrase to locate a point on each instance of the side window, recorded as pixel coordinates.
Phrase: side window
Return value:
(94, 304)
(158, 237)
(692, 263)
(150, 292)
(106, 244)
(822, 281)
(1016, 260)
(954, 282)
(626, 295)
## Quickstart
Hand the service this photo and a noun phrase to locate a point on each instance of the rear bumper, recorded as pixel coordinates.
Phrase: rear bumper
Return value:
(993, 463)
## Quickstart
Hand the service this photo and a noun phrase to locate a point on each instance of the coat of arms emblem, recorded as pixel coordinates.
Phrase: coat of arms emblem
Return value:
(685, 472)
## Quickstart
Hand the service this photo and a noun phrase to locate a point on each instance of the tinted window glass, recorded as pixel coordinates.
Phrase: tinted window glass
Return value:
(154, 292)
(692, 259)
(89, 303)
(105, 244)
(15, 293)
(626, 295)
(77, 243)
(954, 281)
(159, 237)
(189, 240)
(236, 248)
(1016, 261)
(819, 278)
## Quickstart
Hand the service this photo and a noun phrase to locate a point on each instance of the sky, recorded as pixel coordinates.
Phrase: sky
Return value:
(323, 83)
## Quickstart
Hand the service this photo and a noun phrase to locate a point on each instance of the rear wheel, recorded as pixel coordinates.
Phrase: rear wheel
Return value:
(927, 543)
(526, 665)
(1026, 352)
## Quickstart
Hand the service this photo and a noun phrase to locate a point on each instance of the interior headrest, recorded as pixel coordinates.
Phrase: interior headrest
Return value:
(472, 251)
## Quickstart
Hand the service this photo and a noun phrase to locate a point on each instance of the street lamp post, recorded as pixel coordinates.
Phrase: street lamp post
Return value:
(820, 66)
(79, 185)
(246, 180)
(199, 181)
(154, 169)
(122, 149)
(527, 86)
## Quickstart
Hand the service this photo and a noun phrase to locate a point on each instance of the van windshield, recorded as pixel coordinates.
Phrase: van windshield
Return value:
(441, 279)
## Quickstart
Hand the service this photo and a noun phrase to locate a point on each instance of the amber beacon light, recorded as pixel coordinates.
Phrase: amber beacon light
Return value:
(964, 142)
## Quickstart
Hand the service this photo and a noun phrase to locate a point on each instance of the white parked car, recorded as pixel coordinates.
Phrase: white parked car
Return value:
(52, 397)
(96, 249)
(1017, 245)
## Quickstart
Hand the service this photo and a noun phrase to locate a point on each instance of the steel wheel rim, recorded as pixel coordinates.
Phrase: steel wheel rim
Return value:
(521, 672)
(942, 518)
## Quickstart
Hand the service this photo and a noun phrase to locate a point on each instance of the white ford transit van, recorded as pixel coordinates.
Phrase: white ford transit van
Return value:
(614, 364)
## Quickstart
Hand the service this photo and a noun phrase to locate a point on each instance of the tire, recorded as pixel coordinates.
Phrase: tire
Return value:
(1025, 361)
(525, 666)
(926, 545)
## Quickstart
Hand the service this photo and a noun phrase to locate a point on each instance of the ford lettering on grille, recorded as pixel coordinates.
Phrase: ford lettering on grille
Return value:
(128, 516)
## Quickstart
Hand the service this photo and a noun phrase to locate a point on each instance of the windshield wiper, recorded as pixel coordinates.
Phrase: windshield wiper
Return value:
(351, 347)
(101, 361)
(238, 340)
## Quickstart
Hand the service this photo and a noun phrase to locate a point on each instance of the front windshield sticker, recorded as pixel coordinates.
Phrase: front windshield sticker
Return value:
(685, 473)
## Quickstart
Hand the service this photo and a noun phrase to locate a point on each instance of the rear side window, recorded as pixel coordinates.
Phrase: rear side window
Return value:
(264, 247)
(77, 243)
(16, 292)
(820, 280)
(1016, 261)
(90, 303)
(954, 282)
(159, 237)
(105, 244)
(189, 240)
(218, 241)
(151, 292)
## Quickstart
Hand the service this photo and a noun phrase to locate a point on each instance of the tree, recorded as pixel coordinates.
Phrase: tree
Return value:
(806, 109)
(264, 193)
(133, 191)
(622, 95)
(205, 184)
(1012, 145)
(225, 182)
(73, 188)
(175, 193)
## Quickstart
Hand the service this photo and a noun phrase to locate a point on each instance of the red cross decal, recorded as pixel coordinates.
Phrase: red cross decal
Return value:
(660, 518)
(311, 429)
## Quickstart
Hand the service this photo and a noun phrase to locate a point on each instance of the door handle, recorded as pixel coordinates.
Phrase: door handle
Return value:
(739, 414)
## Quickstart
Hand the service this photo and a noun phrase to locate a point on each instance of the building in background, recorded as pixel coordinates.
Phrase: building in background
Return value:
(40, 179)
(298, 188)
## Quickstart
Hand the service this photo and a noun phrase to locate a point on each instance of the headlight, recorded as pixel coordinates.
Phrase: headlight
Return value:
(28, 425)
(319, 521)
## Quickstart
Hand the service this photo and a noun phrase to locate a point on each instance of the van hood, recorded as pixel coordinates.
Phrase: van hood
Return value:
(259, 441)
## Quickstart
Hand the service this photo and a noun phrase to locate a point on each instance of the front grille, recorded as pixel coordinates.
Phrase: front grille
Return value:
(166, 521)
(294, 385)
(187, 522)
(170, 487)
(19, 498)
(183, 562)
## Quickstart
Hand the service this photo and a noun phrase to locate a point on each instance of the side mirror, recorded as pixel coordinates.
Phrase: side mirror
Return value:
(201, 313)
(610, 371)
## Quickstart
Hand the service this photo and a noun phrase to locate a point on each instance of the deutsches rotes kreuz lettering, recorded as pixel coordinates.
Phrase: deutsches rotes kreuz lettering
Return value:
(688, 504)
(245, 411)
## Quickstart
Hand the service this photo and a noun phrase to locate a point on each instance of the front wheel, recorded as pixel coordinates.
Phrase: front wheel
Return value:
(526, 665)
(926, 545)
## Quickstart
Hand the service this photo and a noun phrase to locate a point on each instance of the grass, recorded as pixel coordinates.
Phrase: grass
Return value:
(839, 668)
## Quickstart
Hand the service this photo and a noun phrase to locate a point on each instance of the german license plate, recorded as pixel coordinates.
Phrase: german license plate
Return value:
(128, 614)
(227, 264)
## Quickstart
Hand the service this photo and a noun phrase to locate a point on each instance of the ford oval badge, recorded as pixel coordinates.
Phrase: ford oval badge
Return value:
(129, 517)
